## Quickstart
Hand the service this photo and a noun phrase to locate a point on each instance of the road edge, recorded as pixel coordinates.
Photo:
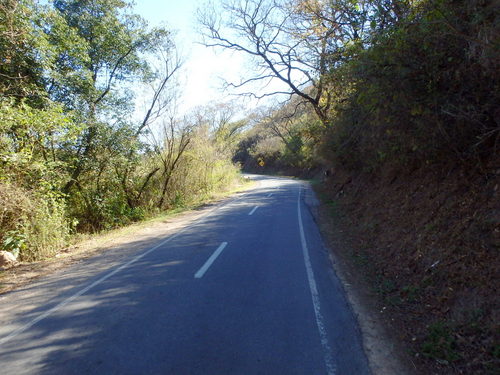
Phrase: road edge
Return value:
(383, 356)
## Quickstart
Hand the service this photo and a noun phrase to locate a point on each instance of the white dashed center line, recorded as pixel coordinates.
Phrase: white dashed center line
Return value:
(208, 263)
(251, 212)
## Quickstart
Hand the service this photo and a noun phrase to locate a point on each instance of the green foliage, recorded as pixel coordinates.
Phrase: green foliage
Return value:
(29, 139)
(20, 65)
(440, 344)
(410, 293)
(15, 242)
(423, 92)
(205, 168)
(71, 158)
(285, 139)
(104, 44)
(33, 224)
(46, 229)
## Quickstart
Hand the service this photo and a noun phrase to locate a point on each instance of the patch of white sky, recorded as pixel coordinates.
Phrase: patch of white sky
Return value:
(205, 69)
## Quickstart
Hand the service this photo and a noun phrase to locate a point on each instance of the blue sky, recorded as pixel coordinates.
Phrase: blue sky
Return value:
(204, 67)
(178, 14)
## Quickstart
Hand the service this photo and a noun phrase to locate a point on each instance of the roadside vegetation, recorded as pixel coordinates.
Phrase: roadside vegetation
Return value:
(74, 154)
(393, 105)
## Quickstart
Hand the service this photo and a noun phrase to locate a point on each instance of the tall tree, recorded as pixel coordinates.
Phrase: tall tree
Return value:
(20, 50)
(297, 42)
(265, 30)
(165, 64)
(114, 40)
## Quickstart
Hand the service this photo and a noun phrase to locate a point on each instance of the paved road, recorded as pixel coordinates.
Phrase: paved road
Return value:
(245, 289)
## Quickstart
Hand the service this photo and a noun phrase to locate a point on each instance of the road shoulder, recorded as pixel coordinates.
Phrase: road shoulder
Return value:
(381, 347)
(122, 241)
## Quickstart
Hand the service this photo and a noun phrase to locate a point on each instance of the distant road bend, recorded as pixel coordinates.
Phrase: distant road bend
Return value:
(247, 288)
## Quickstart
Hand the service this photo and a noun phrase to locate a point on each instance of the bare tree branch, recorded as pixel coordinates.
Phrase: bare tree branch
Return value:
(266, 30)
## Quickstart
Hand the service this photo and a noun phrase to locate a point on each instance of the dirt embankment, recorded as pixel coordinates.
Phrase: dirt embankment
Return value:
(427, 244)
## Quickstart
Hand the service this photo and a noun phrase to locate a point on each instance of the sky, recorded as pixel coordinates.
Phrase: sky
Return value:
(201, 76)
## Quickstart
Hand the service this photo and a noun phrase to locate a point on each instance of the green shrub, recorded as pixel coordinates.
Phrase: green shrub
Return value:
(33, 225)
(15, 242)
(15, 203)
(440, 343)
(45, 230)
(425, 91)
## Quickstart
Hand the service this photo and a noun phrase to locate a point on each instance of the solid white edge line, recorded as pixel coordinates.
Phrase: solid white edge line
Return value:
(208, 263)
(327, 351)
(63, 303)
(251, 212)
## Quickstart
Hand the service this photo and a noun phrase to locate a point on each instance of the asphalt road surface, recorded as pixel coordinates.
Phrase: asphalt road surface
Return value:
(247, 288)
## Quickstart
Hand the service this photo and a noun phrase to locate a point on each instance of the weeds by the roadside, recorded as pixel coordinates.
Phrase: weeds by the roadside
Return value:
(440, 344)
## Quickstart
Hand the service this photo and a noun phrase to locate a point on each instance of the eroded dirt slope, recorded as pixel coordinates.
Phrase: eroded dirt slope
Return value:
(427, 244)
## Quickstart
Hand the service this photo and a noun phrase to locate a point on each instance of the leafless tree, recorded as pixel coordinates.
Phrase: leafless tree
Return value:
(224, 121)
(269, 32)
(168, 63)
(298, 42)
(170, 149)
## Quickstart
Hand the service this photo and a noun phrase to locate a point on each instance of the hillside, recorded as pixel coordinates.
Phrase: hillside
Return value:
(426, 244)
(406, 130)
